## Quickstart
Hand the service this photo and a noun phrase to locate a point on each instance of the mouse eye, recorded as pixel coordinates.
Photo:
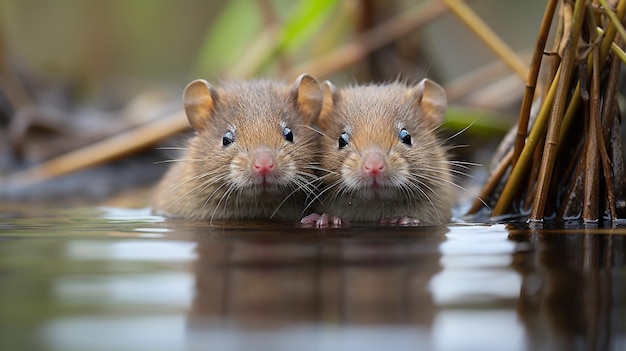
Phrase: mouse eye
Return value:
(288, 134)
(405, 137)
(228, 138)
(343, 140)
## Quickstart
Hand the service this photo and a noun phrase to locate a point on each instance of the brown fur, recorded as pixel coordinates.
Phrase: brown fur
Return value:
(419, 183)
(213, 181)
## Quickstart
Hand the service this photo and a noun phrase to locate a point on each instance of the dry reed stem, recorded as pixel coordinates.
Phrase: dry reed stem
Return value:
(491, 183)
(608, 106)
(532, 174)
(489, 38)
(103, 151)
(554, 59)
(614, 19)
(607, 117)
(265, 44)
(272, 20)
(572, 203)
(521, 167)
(558, 110)
(531, 81)
(372, 40)
(551, 149)
(603, 127)
(591, 209)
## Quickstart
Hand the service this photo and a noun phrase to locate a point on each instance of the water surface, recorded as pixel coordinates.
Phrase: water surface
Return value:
(121, 279)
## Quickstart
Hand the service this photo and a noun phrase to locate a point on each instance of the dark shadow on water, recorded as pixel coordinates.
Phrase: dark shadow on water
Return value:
(573, 293)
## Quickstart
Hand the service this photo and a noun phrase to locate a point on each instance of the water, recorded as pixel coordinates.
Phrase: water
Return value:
(121, 279)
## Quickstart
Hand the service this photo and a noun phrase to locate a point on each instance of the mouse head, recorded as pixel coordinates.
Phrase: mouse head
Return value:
(380, 136)
(255, 133)
(202, 100)
(427, 96)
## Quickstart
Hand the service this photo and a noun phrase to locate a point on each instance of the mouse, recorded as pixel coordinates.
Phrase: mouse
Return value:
(251, 156)
(380, 157)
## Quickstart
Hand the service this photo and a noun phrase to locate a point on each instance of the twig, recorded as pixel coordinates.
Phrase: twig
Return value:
(558, 109)
(265, 45)
(607, 118)
(493, 41)
(371, 40)
(103, 151)
(531, 82)
(466, 84)
(609, 33)
(572, 202)
(592, 165)
(491, 183)
(521, 167)
(272, 22)
(615, 48)
(614, 19)
(532, 175)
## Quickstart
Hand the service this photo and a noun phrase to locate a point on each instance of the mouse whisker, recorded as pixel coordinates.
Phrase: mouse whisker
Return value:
(444, 171)
(460, 131)
(192, 190)
(331, 188)
(171, 148)
(425, 195)
(462, 164)
(173, 160)
(225, 196)
(454, 173)
(300, 183)
(212, 175)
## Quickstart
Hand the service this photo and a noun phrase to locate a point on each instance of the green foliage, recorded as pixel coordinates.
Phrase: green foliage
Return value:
(239, 26)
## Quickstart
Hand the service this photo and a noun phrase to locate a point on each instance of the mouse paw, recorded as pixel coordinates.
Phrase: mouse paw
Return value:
(324, 221)
(405, 221)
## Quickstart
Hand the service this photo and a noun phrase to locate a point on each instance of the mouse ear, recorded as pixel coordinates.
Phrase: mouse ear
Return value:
(308, 97)
(199, 99)
(331, 96)
(431, 99)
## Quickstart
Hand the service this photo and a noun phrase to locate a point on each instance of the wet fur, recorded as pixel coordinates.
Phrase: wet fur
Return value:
(420, 185)
(211, 181)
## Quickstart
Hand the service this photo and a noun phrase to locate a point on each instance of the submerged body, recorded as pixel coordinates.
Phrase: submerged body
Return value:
(380, 158)
(251, 155)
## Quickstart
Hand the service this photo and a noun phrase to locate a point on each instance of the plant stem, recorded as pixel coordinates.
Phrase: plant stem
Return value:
(492, 40)
(531, 82)
(371, 40)
(491, 184)
(614, 19)
(558, 109)
(521, 167)
(592, 178)
(97, 153)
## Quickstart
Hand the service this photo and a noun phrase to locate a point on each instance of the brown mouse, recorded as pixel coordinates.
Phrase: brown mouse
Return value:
(380, 158)
(251, 156)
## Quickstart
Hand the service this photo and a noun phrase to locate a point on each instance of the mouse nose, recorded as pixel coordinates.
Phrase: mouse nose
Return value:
(263, 163)
(374, 163)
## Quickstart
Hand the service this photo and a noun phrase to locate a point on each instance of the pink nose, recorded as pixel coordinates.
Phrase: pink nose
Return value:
(374, 163)
(263, 163)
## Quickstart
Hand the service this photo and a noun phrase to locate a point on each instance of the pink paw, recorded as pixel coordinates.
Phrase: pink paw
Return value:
(405, 221)
(324, 221)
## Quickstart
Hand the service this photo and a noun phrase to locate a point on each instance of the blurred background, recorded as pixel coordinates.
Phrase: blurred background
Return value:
(76, 72)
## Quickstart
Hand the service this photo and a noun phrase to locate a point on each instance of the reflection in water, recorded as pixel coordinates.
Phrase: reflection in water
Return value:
(268, 280)
(128, 281)
(573, 294)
